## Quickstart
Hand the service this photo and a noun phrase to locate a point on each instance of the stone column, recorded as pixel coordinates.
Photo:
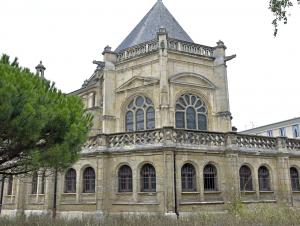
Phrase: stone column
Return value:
(283, 186)
(164, 102)
(20, 196)
(109, 117)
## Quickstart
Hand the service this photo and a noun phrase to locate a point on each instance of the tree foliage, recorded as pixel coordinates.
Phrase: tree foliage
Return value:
(40, 127)
(280, 8)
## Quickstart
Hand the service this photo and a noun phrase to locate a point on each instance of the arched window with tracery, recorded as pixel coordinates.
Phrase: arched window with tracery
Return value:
(210, 178)
(191, 113)
(34, 183)
(246, 179)
(188, 178)
(148, 178)
(70, 181)
(294, 179)
(140, 114)
(125, 179)
(10, 185)
(264, 179)
(89, 180)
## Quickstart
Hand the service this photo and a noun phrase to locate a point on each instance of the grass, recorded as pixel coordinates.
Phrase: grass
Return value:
(260, 216)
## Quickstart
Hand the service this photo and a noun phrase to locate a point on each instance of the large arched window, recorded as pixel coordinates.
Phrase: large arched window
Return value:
(10, 185)
(245, 179)
(70, 181)
(89, 180)
(264, 179)
(188, 178)
(140, 114)
(191, 113)
(148, 178)
(125, 179)
(294, 179)
(34, 183)
(210, 178)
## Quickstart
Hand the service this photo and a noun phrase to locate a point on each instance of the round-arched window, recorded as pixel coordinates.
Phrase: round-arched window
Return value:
(140, 114)
(191, 113)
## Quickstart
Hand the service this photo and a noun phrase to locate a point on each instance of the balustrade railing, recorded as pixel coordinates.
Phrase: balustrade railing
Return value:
(173, 44)
(189, 138)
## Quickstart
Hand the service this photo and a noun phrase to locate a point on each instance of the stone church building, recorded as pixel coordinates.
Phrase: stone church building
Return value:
(162, 140)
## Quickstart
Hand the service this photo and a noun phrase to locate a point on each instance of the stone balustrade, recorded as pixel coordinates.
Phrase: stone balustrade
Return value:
(189, 139)
(191, 48)
(173, 44)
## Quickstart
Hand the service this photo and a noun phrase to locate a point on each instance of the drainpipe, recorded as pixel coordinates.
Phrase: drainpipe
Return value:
(54, 195)
(175, 187)
(1, 195)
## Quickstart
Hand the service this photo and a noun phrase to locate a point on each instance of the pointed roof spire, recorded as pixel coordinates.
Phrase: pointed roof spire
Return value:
(147, 28)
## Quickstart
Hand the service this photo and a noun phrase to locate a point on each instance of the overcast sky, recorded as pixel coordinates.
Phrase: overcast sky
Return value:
(69, 34)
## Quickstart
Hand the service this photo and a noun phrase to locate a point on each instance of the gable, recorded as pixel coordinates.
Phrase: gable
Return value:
(192, 79)
(137, 82)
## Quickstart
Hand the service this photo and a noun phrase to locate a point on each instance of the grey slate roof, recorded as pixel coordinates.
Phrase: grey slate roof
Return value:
(158, 16)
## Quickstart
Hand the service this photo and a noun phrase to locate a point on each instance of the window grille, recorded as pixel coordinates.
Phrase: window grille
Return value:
(89, 180)
(210, 178)
(34, 183)
(10, 185)
(70, 181)
(264, 179)
(294, 179)
(125, 179)
(191, 113)
(245, 179)
(188, 178)
(140, 114)
(148, 178)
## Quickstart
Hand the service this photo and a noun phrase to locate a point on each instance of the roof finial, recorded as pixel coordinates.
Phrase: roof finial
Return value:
(40, 69)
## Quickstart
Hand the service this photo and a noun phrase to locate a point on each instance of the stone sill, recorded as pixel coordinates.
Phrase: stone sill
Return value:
(135, 203)
(212, 192)
(265, 192)
(247, 192)
(34, 195)
(147, 193)
(297, 192)
(71, 194)
(259, 201)
(124, 193)
(36, 203)
(77, 203)
(202, 203)
(190, 192)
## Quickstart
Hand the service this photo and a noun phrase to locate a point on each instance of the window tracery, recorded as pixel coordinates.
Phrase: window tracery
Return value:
(191, 113)
(140, 114)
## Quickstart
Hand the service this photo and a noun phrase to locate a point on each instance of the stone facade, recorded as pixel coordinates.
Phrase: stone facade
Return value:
(175, 162)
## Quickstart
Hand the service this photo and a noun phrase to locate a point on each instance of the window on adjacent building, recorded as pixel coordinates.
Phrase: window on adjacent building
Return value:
(191, 113)
(264, 179)
(295, 130)
(148, 178)
(245, 179)
(125, 179)
(70, 181)
(188, 178)
(294, 179)
(34, 183)
(89, 180)
(270, 133)
(140, 114)
(282, 132)
(10, 185)
(210, 178)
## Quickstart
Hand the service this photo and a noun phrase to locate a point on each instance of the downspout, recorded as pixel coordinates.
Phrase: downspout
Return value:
(175, 187)
(1, 195)
(54, 195)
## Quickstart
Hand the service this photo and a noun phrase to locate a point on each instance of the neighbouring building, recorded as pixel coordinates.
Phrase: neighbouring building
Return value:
(162, 140)
(288, 128)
